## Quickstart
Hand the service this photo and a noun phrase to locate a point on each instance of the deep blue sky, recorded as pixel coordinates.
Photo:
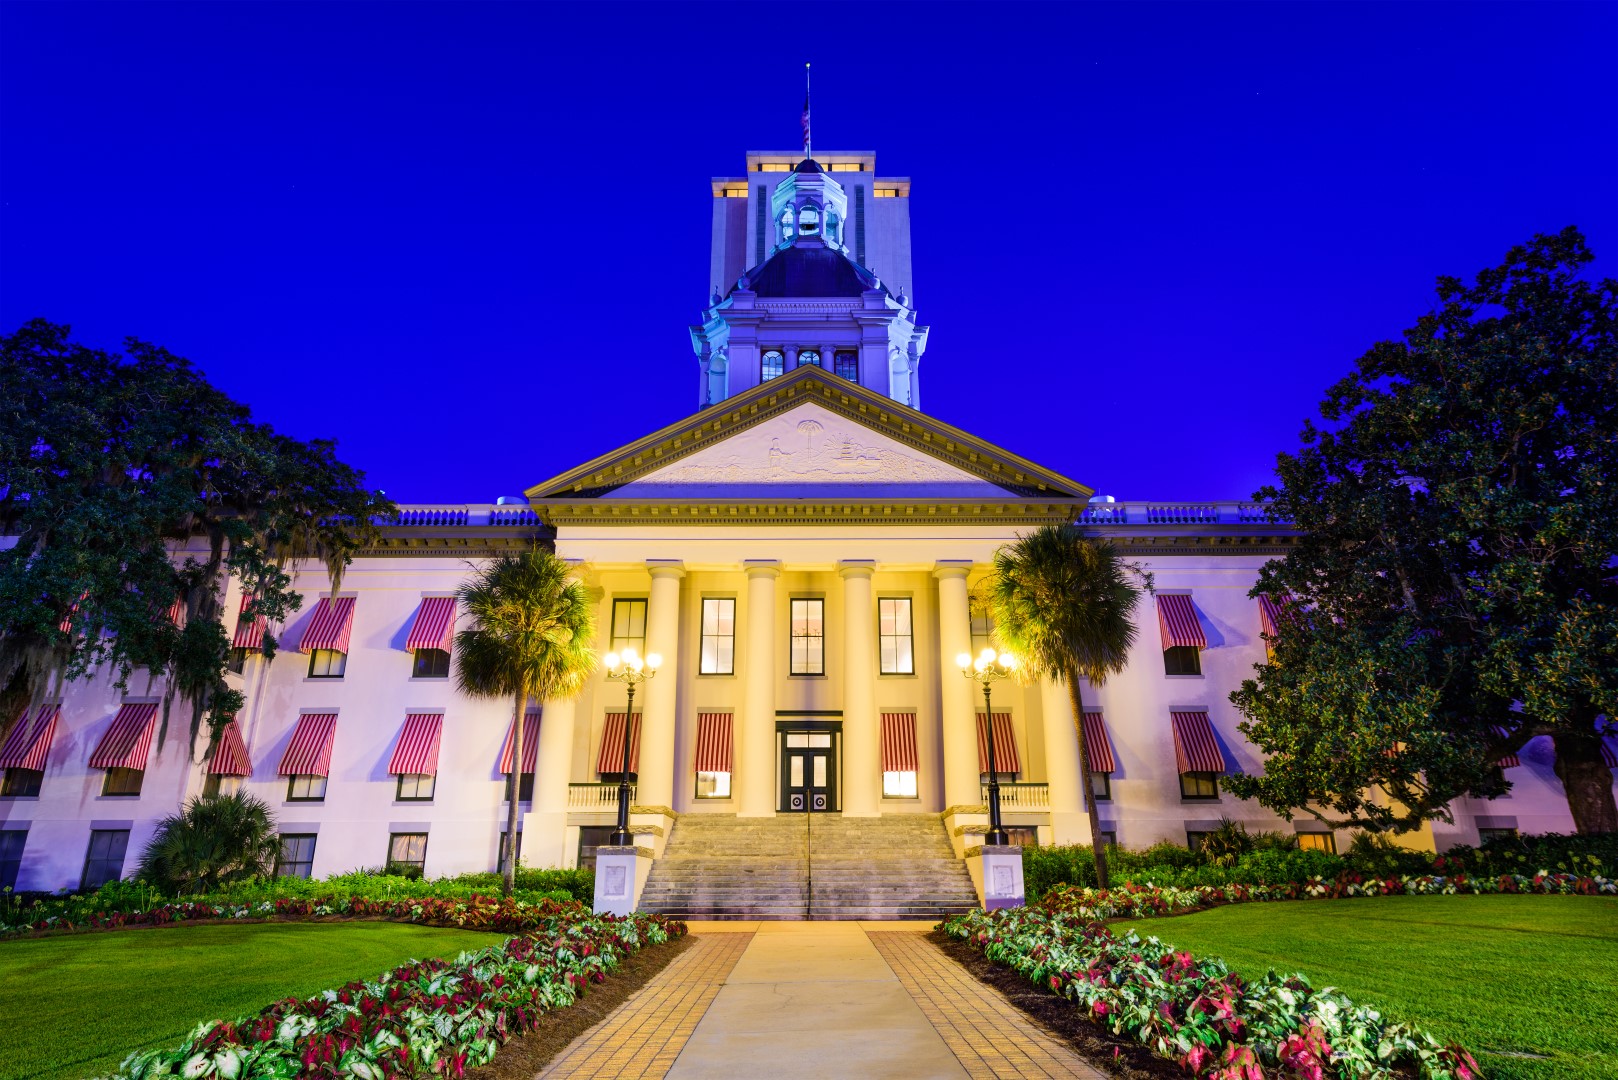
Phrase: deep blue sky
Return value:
(466, 240)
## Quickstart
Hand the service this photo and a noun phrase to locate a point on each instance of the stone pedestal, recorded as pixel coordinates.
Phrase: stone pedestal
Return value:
(621, 873)
(997, 873)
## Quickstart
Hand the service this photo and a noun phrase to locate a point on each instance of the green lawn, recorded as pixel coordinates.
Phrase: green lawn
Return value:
(75, 1006)
(1527, 983)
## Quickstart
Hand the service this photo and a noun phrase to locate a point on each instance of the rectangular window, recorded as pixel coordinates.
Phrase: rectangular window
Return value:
(1485, 835)
(104, 861)
(1317, 841)
(886, 192)
(982, 632)
(525, 788)
(122, 782)
(1193, 840)
(22, 783)
(1182, 660)
(590, 838)
(11, 845)
(628, 626)
(846, 166)
(431, 664)
(306, 788)
(1198, 785)
(894, 634)
(808, 637)
(327, 664)
(718, 635)
(713, 785)
(899, 785)
(846, 365)
(774, 166)
(237, 661)
(297, 858)
(1109, 837)
(407, 853)
(1101, 785)
(500, 853)
(1024, 835)
(217, 785)
(415, 787)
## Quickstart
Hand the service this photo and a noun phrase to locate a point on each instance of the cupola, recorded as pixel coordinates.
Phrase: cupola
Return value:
(809, 208)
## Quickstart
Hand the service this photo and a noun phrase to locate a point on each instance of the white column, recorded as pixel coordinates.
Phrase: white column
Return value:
(1069, 822)
(862, 738)
(755, 733)
(961, 784)
(655, 779)
(544, 828)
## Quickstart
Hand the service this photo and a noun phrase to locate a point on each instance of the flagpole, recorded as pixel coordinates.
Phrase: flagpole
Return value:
(808, 139)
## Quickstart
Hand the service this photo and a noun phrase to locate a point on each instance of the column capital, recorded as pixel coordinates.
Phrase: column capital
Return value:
(952, 568)
(666, 568)
(856, 568)
(762, 567)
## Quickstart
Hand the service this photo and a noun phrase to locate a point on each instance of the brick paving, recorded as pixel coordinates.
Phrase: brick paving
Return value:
(991, 1037)
(646, 1033)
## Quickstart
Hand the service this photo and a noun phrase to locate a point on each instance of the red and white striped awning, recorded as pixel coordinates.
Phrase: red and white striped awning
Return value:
(128, 742)
(30, 740)
(309, 752)
(1177, 620)
(249, 627)
(1507, 761)
(230, 756)
(611, 758)
(899, 743)
(1195, 748)
(434, 627)
(417, 751)
(1269, 615)
(330, 625)
(530, 744)
(713, 742)
(1005, 744)
(1096, 746)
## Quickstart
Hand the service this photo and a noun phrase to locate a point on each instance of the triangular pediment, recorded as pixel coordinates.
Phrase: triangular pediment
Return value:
(804, 438)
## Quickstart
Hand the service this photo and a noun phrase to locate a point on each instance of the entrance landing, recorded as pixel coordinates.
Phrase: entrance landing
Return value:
(805, 999)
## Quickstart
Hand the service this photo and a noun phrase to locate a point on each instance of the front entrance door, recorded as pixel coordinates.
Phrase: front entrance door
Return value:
(808, 771)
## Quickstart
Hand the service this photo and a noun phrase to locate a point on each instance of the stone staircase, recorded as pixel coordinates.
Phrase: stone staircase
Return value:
(808, 866)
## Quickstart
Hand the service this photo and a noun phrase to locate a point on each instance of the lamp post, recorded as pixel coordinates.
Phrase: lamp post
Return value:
(631, 670)
(988, 667)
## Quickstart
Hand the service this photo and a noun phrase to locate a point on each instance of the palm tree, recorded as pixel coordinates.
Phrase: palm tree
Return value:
(1064, 604)
(213, 841)
(532, 638)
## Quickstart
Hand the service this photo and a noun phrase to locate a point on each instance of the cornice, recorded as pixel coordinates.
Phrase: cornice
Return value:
(458, 541)
(615, 512)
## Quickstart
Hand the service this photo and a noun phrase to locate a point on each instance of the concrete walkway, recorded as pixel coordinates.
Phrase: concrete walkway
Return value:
(816, 999)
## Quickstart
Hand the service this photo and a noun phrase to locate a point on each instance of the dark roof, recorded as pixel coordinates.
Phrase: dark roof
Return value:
(808, 165)
(810, 270)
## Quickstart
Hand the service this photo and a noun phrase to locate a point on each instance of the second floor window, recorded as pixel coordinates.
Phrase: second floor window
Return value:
(122, 782)
(22, 783)
(415, 787)
(1182, 660)
(893, 619)
(306, 788)
(1101, 785)
(431, 664)
(808, 637)
(629, 625)
(327, 664)
(773, 364)
(1199, 785)
(217, 785)
(718, 635)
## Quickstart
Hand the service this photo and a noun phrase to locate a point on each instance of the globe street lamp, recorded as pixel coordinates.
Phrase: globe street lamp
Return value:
(988, 667)
(631, 670)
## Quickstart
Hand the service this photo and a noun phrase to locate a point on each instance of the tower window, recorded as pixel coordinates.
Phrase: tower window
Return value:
(886, 192)
(786, 226)
(809, 221)
(773, 365)
(848, 366)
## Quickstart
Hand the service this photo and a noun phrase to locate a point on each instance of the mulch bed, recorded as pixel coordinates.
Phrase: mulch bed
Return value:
(524, 1056)
(1117, 1055)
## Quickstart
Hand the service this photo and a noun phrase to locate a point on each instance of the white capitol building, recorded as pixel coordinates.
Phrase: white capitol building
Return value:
(801, 550)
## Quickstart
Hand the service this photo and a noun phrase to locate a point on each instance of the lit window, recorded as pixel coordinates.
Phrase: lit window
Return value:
(774, 166)
(104, 861)
(809, 221)
(899, 785)
(982, 631)
(12, 841)
(713, 785)
(847, 366)
(431, 664)
(217, 785)
(735, 193)
(773, 365)
(1198, 785)
(809, 358)
(846, 166)
(407, 853)
(629, 626)
(1317, 841)
(808, 637)
(306, 788)
(1101, 785)
(1182, 660)
(122, 782)
(327, 664)
(894, 635)
(415, 787)
(297, 858)
(886, 192)
(22, 783)
(718, 635)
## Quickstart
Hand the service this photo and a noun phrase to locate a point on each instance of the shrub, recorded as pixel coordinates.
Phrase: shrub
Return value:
(1226, 844)
(213, 841)
(1383, 855)
(1595, 854)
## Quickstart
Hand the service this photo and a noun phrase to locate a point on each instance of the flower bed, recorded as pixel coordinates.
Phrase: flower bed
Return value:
(1198, 1013)
(430, 1018)
(475, 913)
